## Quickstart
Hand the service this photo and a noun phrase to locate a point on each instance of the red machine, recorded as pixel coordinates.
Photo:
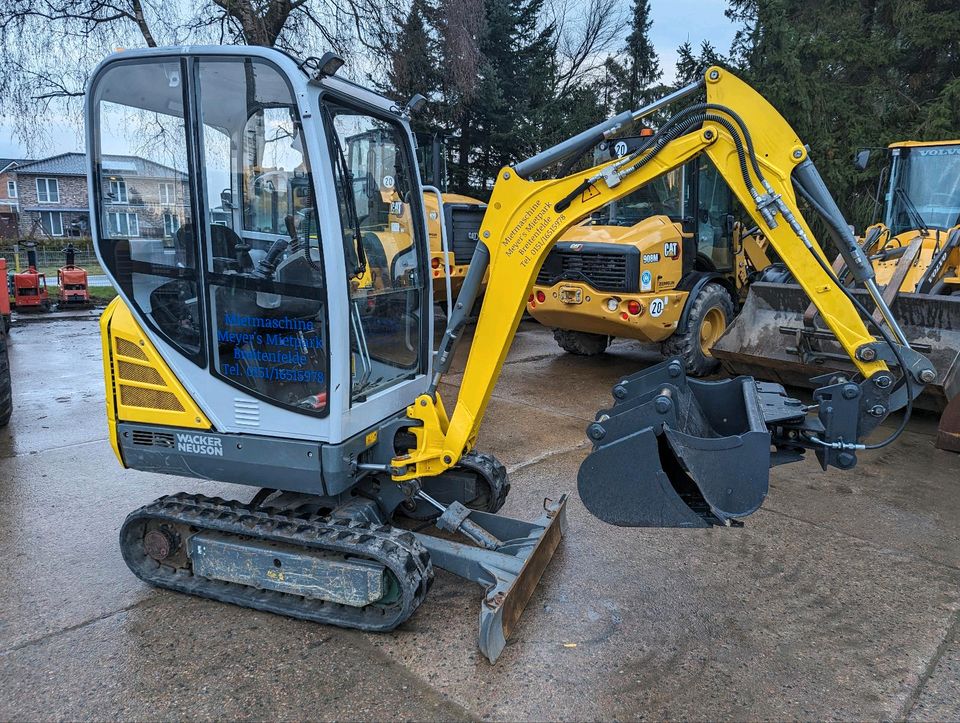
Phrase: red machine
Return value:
(4, 297)
(30, 287)
(72, 280)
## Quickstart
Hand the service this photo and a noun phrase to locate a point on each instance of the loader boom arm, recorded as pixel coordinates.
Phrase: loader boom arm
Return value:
(524, 219)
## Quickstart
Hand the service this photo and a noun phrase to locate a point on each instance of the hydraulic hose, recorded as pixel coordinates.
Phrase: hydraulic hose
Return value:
(862, 310)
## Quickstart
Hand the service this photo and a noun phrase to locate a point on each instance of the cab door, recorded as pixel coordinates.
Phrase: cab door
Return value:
(206, 221)
(713, 216)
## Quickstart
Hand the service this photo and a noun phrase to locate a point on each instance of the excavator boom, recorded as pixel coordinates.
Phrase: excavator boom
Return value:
(699, 425)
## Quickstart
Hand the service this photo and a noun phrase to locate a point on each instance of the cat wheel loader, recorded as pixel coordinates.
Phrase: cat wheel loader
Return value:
(667, 264)
(915, 253)
(453, 219)
(251, 355)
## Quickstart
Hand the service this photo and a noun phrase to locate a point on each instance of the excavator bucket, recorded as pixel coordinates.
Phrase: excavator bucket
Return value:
(773, 337)
(678, 452)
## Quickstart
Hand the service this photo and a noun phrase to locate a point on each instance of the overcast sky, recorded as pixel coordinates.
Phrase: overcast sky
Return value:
(674, 22)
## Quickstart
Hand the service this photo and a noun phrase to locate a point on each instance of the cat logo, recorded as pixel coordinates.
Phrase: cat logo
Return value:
(671, 249)
(576, 247)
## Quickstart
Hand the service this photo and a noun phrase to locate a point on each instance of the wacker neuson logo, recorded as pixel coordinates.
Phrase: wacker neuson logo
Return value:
(200, 444)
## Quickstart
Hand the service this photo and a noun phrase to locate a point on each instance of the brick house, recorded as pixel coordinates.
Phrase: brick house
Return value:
(9, 201)
(144, 199)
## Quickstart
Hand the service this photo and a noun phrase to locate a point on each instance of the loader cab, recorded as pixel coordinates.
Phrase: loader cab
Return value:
(270, 240)
(694, 196)
(924, 186)
(636, 268)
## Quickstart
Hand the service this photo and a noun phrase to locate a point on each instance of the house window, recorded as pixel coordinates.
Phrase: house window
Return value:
(171, 223)
(118, 190)
(124, 225)
(52, 222)
(48, 190)
(166, 194)
(11, 189)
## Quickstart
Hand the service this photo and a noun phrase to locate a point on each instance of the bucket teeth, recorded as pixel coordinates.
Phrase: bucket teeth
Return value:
(674, 452)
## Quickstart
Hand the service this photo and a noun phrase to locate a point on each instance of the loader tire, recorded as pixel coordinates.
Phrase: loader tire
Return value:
(710, 314)
(580, 342)
(6, 394)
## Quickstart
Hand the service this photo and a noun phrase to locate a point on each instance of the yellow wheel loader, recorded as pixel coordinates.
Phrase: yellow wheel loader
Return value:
(668, 263)
(915, 253)
(453, 220)
(252, 356)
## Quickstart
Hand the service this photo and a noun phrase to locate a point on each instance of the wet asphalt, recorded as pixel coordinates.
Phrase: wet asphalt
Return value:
(840, 598)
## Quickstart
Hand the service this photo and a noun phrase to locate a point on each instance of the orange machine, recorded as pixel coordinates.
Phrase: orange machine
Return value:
(72, 280)
(4, 297)
(30, 286)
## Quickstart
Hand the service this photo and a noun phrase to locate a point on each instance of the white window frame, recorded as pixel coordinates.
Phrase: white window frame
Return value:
(171, 224)
(50, 198)
(54, 215)
(11, 189)
(116, 186)
(168, 194)
(133, 229)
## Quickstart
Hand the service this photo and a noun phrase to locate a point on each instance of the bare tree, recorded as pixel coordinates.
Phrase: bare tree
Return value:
(585, 34)
(50, 46)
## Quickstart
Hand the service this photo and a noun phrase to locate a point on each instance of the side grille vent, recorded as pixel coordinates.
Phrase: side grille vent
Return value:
(463, 229)
(605, 267)
(139, 384)
(147, 438)
(246, 412)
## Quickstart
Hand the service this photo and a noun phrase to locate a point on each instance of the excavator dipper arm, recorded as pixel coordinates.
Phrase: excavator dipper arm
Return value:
(761, 158)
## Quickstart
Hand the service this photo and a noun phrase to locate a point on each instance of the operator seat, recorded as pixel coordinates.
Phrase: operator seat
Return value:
(223, 245)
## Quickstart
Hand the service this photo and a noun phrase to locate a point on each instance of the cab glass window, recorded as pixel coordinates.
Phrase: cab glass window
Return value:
(380, 216)
(714, 206)
(143, 197)
(265, 282)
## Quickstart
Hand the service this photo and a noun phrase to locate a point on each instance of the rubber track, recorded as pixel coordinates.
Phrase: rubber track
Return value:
(398, 550)
(493, 471)
(6, 393)
(483, 464)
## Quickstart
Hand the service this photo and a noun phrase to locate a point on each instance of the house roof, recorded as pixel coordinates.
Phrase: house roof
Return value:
(5, 163)
(75, 164)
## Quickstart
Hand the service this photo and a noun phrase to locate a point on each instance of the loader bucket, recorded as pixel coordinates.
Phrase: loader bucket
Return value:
(770, 339)
(676, 452)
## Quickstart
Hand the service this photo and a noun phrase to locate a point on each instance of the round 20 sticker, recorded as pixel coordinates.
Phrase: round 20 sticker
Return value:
(657, 306)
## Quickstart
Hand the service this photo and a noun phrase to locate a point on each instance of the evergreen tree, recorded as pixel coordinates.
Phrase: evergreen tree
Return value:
(691, 66)
(413, 66)
(849, 75)
(633, 76)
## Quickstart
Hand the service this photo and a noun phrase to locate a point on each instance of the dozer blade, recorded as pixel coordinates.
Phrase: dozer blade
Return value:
(675, 452)
(509, 569)
(769, 339)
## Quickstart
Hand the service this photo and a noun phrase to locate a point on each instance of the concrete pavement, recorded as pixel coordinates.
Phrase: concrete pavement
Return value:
(839, 599)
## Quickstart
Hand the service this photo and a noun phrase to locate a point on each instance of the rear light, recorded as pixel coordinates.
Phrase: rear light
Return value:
(612, 304)
(634, 307)
(435, 262)
(530, 300)
(541, 297)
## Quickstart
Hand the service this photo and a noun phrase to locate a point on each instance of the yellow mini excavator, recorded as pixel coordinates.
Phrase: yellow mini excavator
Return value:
(250, 353)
